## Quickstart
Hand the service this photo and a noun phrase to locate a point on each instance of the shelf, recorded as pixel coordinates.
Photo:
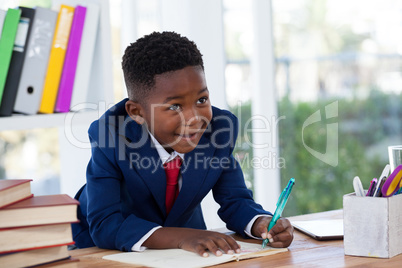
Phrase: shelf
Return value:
(24, 122)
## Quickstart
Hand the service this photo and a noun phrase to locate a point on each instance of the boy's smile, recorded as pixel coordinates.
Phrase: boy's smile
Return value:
(177, 111)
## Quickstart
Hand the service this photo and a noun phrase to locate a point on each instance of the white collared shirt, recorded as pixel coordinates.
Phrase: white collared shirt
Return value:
(163, 154)
(166, 157)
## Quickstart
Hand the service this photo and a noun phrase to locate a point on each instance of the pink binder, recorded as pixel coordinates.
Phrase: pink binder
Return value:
(70, 62)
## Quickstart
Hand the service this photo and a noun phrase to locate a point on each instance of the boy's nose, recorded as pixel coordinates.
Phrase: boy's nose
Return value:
(191, 116)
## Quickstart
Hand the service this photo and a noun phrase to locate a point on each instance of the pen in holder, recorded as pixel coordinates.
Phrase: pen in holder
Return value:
(395, 156)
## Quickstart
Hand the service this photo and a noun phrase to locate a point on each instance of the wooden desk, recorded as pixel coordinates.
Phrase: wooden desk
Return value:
(303, 252)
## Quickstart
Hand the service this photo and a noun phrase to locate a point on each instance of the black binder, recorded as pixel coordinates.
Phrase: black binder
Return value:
(17, 61)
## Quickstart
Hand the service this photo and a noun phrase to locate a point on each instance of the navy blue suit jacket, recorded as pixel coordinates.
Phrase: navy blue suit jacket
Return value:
(124, 197)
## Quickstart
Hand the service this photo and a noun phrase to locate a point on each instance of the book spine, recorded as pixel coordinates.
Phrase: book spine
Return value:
(56, 59)
(70, 64)
(8, 184)
(37, 225)
(22, 238)
(40, 247)
(16, 201)
(17, 61)
(85, 58)
(36, 60)
(7, 39)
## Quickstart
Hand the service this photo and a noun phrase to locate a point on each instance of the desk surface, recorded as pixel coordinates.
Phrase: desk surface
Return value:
(303, 252)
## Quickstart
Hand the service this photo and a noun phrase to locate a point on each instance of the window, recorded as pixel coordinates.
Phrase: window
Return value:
(338, 81)
(339, 60)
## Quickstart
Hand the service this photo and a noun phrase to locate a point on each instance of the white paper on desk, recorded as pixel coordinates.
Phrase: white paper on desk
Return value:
(177, 258)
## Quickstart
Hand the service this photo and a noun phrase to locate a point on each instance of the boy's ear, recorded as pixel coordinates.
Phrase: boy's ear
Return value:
(135, 111)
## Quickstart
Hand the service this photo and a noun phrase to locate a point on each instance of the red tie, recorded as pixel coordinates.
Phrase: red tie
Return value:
(172, 170)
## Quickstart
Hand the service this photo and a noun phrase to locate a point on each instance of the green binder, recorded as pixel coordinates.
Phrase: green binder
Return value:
(7, 39)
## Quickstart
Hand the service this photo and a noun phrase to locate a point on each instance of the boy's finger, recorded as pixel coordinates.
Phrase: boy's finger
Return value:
(282, 239)
(233, 244)
(277, 244)
(201, 250)
(263, 223)
(224, 245)
(278, 228)
(212, 247)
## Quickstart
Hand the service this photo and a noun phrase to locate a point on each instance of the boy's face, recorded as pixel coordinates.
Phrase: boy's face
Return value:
(178, 109)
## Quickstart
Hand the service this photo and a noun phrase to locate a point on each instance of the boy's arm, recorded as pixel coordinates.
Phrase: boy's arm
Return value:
(238, 209)
(107, 226)
(198, 241)
(237, 205)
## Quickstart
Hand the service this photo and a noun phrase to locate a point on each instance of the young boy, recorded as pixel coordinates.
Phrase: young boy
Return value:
(129, 202)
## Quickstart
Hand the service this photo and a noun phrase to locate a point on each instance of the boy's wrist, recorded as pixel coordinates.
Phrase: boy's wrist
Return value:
(139, 245)
(166, 237)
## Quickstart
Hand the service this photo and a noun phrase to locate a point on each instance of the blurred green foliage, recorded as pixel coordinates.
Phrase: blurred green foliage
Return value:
(365, 128)
(36, 3)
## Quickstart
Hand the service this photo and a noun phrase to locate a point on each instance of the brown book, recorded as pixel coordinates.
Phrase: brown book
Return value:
(34, 237)
(12, 191)
(34, 257)
(45, 209)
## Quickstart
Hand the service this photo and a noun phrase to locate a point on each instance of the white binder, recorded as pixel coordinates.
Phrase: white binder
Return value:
(2, 17)
(33, 74)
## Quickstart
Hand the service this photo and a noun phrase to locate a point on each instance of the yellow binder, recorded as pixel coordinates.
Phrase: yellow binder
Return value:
(56, 59)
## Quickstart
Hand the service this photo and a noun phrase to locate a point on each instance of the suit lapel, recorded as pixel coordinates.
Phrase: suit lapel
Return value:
(144, 159)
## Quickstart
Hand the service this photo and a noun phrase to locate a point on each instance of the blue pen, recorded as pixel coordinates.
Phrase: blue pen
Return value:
(280, 205)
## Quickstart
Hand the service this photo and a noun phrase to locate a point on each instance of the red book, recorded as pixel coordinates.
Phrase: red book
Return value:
(12, 191)
(46, 209)
(34, 237)
(34, 257)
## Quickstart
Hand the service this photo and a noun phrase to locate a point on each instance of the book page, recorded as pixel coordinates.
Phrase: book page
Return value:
(252, 250)
(168, 258)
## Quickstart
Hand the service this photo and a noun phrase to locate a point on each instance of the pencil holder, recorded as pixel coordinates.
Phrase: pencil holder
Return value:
(372, 226)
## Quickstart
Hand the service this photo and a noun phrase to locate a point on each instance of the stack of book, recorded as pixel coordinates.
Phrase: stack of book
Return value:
(33, 229)
(46, 56)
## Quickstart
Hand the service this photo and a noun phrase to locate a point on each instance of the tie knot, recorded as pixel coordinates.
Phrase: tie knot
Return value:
(172, 169)
(173, 164)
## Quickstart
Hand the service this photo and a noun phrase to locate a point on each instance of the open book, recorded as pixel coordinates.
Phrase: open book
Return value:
(168, 258)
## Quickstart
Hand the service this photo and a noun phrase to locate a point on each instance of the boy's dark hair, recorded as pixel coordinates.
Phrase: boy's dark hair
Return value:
(155, 54)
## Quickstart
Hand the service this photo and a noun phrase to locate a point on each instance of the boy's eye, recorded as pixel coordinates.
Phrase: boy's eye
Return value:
(202, 100)
(174, 107)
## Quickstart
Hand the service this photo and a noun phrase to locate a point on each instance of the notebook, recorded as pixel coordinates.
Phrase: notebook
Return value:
(321, 229)
(177, 258)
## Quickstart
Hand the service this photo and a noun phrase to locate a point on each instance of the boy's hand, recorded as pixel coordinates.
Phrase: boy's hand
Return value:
(280, 236)
(198, 241)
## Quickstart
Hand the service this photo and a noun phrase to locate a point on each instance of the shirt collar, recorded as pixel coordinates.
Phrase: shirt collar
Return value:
(163, 154)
